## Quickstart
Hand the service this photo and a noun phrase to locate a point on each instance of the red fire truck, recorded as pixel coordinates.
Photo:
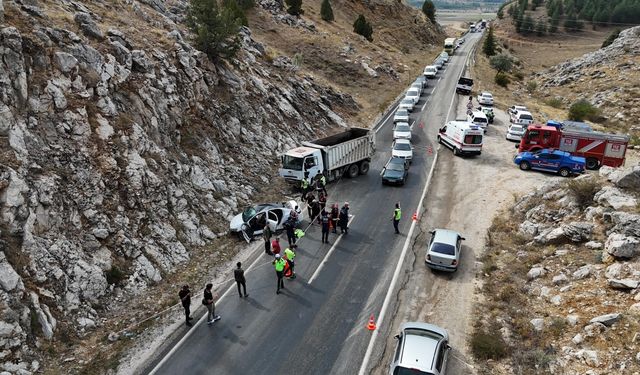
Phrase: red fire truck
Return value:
(598, 148)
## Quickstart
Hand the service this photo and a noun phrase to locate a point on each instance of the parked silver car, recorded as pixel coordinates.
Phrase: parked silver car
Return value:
(422, 349)
(401, 115)
(443, 253)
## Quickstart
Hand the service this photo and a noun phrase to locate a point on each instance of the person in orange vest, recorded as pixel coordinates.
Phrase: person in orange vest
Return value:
(289, 255)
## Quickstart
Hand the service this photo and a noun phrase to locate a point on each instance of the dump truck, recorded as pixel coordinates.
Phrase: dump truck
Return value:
(347, 153)
(450, 45)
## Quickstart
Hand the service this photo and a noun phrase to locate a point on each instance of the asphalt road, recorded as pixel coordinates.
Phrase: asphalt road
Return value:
(318, 327)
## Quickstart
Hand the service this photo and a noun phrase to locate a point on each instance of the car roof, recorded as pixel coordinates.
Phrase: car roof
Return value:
(445, 236)
(429, 67)
(401, 109)
(396, 160)
(479, 114)
(402, 124)
(402, 140)
(406, 100)
(420, 344)
(519, 107)
(412, 89)
(485, 93)
(518, 113)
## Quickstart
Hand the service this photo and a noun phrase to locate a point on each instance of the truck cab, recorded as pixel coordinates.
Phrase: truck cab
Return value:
(537, 137)
(296, 162)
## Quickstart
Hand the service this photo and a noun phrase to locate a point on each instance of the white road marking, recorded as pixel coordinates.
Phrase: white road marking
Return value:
(394, 280)
(193, 329)
(326, 257)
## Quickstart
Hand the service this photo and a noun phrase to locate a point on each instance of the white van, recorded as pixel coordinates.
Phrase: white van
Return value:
(430, 71)
(523, 118)
(480, 119)
(463, 137)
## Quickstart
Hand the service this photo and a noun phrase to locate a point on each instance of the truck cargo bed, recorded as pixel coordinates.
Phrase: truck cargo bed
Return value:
(348, 147)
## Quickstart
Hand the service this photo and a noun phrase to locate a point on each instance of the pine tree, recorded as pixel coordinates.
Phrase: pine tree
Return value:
(295, 7)
(489, 46)
(429, 10)
(362, 27)
(541, 28)
(325, 11)
(553, 24)
(234, 7)
(215, 28)
(528, 25)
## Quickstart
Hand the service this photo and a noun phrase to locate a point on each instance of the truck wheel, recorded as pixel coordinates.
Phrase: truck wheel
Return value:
(353, 171)
(593, 163)
(364, 167)
(525, 166)
(564, 172)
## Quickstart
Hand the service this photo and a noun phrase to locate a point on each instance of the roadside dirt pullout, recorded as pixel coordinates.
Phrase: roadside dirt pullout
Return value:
(465, 196)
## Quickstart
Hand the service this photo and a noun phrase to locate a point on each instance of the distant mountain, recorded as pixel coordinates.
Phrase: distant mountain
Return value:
(484, 5)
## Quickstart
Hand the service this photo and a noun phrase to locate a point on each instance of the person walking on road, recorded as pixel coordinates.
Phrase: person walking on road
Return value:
(325, 226)
(344, 218)
(275, 246)
(397, 214)
(210, 304)
(289, 255)
(279, 266)
(304, 185)
(185, 298)
(238, 275)
(266, 235)
(335, 212)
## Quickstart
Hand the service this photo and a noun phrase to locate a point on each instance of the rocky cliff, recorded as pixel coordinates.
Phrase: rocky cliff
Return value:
(123, 149)
(608, 78)
(561, 279)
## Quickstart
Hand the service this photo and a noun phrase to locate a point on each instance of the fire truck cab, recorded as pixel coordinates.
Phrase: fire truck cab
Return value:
(596, 147)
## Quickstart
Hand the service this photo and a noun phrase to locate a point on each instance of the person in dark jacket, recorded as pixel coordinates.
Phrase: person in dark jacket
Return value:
(310, 198)
(238, 275)
(344, 218)
(335, 212)
(185, 298)
(325, 226)
(315, 211)
(290, 227)
(266, 235)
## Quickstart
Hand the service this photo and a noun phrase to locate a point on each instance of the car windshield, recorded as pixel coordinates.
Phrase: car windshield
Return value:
(516, 128)
(402, 128)
(402, 147)
(292, 162)
(479, 119)
(402, 112)
(487, 96)
(412, 93)
(406, 101)
(443, 248)
(248, 213)
(526, 117)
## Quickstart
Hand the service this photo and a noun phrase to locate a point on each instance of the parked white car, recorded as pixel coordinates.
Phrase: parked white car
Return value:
(407, 104)
(443, 253)
(421, 349)
(523, 118)
(430, 71)
(418, 86)
(402, 148)
(479, 119)
(485, 98)
(515, 132)
(402, 130)
(445, 57)
(402, 115)
(413, 94)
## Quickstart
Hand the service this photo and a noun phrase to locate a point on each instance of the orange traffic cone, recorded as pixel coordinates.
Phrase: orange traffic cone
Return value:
(415, 216)
(372, 324)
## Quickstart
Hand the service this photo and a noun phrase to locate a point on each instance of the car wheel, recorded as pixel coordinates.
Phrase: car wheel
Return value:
(525, 166)
(353, 171)
(564, 172)
(593, 163)
(439, 140)
(364, 167)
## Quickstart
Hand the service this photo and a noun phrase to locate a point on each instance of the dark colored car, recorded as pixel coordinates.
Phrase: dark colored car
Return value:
(550, 160)
(395, 172)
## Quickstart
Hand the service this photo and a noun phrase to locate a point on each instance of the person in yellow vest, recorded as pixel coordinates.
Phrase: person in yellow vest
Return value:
(304, 185)
(397, 214)
(289, 255)
(279, 265)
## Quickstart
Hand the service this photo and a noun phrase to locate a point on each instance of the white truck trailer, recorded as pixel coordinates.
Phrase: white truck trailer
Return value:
(346, 153)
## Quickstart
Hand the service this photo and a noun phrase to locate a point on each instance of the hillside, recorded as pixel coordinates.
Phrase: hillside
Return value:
(125, 151)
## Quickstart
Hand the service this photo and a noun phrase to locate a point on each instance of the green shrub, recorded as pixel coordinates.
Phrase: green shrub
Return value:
(325, 11)
(532, 86)
(613, 36)
(501, 63)
(488, 345)
(295, 7)
(364, 28)
(234, 7)
(429, 10)
(582, 110)
(584, 190)
(115, 275)
(518, 75)
(215, 28)
(502, 79)
(554, 102)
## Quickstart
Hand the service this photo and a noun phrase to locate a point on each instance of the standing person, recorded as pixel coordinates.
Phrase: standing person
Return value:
(397, 214)
(323, 183)
(275, 246)
(325, 226)
(344, 218)
(315, 211)
(289, 227)
(335, 212)
(323, 201)
(310, 198)
(266, 235)
(289, 255)
(185, 298)
(304, 185)
(210, 304)
(279, 266)
(238, 275)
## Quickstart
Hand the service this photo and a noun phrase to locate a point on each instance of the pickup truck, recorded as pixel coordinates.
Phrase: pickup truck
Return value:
(348, 152)
(464, 86)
